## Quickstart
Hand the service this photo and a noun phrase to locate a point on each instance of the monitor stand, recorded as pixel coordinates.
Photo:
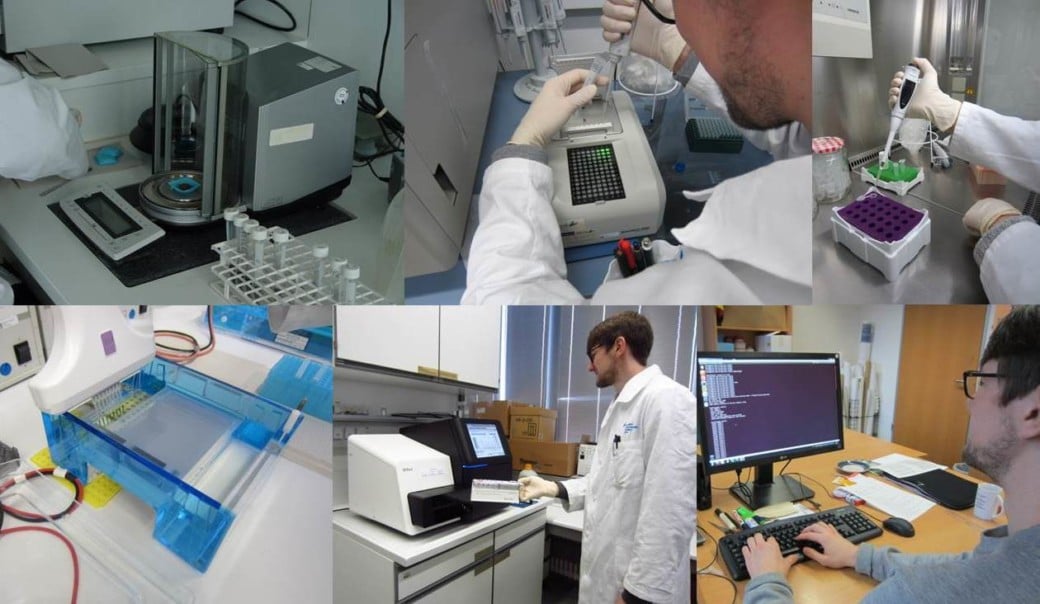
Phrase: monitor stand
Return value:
(765, 491)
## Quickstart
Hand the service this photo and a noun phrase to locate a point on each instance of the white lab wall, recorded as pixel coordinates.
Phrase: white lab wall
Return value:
(1009, 80)
(352, 31)
(833, 328)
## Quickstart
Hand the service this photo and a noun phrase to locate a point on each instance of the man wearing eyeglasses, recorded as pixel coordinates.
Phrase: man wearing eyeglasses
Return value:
(1004, 442)
(639, 497)
(748, 60)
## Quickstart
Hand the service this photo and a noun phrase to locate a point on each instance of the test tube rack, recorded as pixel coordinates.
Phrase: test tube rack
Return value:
(881, 231)
(241, 280)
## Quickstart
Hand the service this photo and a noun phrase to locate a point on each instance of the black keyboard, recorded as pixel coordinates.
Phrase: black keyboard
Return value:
(850, 522)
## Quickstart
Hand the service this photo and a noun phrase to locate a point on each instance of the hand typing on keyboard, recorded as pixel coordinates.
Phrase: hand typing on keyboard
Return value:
(835, 551)
(763, 556)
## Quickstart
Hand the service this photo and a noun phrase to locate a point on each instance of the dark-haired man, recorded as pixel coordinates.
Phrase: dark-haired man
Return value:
(1004, 442)
(639, 497)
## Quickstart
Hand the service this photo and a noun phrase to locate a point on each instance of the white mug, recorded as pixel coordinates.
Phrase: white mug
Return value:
(988, 501)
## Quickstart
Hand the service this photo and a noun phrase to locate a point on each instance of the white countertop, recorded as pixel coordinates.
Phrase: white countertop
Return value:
(279, 548)
(575, 521)
(67, 273)
(410, 550)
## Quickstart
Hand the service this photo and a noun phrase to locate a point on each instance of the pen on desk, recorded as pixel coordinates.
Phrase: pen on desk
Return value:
(726, 520)
(732, 520)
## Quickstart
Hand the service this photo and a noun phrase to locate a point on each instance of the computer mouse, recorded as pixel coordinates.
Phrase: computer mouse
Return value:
(899, 526)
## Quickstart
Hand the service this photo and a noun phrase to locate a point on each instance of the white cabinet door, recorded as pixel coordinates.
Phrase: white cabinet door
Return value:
(474, 586)
(470, 343)
(518, 572)
(398, 337)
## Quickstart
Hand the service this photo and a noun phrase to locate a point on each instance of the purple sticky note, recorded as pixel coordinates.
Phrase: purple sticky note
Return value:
(108, 343)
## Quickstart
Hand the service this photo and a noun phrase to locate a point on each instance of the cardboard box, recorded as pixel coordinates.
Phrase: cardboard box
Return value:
(556, 459)
(773, 342)
(497, 410)
(532, 423)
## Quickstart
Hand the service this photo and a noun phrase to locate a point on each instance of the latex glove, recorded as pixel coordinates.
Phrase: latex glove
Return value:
(929, 102)
(650, 36)
(763, 556)
(559, 99)
(533, 487)
(986, 213)
(838, 552)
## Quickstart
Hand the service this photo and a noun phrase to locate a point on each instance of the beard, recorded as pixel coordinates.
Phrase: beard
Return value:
(751, 85)
(994, 457)
(605, 379)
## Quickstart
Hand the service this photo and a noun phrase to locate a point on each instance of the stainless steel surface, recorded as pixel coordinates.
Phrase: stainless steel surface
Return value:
(850, 96)
(943, 273)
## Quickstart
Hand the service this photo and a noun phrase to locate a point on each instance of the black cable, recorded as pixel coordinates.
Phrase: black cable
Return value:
(731, 582)
(715, 556)
(197, 348)
(371, 102)
(267, 24)
(33, 517)
(650, 7)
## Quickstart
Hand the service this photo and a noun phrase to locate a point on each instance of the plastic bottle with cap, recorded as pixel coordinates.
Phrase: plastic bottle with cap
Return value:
(320, 253)
(259, 239)
(528, 471)
(336, 267)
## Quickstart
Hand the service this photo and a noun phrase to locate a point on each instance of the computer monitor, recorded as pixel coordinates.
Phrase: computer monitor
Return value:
(759, 408)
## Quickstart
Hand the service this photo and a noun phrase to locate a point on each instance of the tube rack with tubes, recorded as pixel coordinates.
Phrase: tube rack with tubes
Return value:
(281, 270)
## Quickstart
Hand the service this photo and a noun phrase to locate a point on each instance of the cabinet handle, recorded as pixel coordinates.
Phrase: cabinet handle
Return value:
(430, 371)
(500, 556)
(484, 553)
(483, 566)
(448, 375)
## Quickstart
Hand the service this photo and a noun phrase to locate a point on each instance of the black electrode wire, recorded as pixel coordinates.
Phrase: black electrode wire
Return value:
(371, 102)
(33, 517)
(183, 355)
(267, 24)
(650, 7)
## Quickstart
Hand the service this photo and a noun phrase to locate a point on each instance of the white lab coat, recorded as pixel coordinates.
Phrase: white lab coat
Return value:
(1010, 146)
(640, 496)
(751, 244)
(38, 133)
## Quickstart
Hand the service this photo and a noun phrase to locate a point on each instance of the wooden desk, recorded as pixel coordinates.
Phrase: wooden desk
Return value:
(939, 530)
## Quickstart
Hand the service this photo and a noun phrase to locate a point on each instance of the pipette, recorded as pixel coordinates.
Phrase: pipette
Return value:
(605, 62)
(911, 75)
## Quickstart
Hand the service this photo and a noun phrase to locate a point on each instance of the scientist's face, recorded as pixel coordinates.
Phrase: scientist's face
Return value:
(992, 441)
(602, 363)
(754, 50)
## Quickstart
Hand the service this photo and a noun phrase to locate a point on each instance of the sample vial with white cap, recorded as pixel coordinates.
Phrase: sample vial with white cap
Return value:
(239, 223)
(320, 253)
(280, 237)
(348, 283)
(229, 223)
(259, 237)
(247, 230)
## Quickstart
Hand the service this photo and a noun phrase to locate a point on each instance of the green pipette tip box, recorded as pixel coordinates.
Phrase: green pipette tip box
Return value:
(894, 172)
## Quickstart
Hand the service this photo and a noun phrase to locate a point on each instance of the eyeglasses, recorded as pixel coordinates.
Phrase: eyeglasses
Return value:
(972, 381)
(592, 352)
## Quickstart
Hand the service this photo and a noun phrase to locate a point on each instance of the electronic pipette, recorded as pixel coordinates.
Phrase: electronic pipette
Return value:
(605, 62)
(911, 75)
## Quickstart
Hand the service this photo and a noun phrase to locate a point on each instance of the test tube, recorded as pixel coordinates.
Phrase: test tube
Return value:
(280, 237)
(320, 253)
(351, 274)
(240, 222)
(259, 237)
(249, 226)
(229, 223)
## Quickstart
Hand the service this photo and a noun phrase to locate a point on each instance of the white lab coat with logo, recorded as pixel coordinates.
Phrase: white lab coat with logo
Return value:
(1010, 146)
(751, 244)
(639, 498)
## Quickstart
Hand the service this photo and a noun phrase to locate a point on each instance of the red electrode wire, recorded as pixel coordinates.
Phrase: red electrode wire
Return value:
(68, 544)
(32, 517)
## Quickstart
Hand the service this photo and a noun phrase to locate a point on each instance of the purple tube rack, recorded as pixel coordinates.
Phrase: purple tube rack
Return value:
(881, 218)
